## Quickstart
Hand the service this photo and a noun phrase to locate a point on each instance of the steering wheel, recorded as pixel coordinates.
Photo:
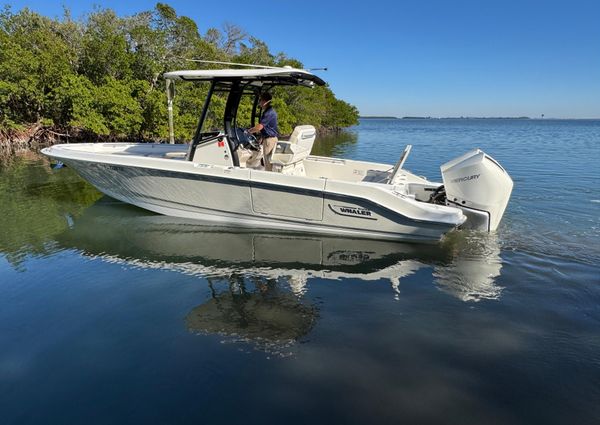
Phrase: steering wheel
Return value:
(252, 140)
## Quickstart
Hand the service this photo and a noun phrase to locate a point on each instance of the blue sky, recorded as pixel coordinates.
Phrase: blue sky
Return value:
(437, 58)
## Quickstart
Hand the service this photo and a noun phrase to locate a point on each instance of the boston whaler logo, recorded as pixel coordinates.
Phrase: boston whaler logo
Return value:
(352, 211)
(466, 178)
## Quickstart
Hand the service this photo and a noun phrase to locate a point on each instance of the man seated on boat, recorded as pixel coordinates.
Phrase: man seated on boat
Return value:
(267, 127)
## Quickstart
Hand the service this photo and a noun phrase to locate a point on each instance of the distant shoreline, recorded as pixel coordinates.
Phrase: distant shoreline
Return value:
(374, 117)
(472, 118)
(378, 118)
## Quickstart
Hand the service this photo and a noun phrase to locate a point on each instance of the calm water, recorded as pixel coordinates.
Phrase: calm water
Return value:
(110, 314)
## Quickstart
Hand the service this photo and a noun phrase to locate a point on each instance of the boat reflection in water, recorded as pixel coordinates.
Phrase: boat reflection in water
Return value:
(258, 280)
(471, 273)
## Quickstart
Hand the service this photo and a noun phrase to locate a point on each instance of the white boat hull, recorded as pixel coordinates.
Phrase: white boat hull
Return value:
(140, 174)
(229, 201)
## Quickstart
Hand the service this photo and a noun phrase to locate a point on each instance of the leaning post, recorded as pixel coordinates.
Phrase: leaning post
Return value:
(170, 95)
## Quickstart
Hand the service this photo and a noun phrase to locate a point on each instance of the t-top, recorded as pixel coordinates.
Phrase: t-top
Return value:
(269, 122)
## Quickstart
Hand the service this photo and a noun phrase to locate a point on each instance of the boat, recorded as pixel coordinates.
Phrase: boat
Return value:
(218, 176)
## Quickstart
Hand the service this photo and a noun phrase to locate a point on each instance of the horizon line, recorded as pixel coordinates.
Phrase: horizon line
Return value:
(524, 117)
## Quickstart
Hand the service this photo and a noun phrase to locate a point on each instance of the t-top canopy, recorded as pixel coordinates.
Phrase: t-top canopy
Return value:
(285, 76)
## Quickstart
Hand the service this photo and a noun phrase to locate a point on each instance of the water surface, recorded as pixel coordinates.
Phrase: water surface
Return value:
(111, 314)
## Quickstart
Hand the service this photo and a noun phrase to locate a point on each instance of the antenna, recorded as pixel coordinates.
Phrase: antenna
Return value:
(233, 63)
(249, 65)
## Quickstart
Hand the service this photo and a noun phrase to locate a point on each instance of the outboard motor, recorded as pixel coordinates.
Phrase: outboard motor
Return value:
(479, 186)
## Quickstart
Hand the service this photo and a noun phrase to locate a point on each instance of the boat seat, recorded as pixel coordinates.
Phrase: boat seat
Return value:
(286, 153)
(297, 148)
(303, 135)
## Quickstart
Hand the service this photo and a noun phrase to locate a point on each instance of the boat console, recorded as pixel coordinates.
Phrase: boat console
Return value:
(213, 150)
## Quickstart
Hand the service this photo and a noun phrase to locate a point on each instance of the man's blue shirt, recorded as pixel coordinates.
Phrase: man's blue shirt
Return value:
(269, 122)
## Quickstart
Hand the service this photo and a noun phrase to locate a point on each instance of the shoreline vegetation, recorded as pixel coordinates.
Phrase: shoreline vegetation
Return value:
(99, 78)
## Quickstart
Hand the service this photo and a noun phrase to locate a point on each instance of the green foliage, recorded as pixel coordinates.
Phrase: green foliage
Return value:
(104, 51)
(33, 57)
(73, 103)
(103, 74)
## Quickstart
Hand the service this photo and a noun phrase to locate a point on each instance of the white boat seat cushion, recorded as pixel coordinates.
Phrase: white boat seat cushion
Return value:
(297, 148)
(286, 153)
(303, 135)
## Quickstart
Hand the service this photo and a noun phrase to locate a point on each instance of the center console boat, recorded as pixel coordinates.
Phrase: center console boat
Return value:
(218, 177)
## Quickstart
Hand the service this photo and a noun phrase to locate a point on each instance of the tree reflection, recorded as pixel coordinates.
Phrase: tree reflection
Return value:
(334, 144)
(37, 204)
(253, 309)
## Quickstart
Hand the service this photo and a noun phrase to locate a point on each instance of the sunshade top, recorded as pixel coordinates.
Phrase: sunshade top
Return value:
(267, 75)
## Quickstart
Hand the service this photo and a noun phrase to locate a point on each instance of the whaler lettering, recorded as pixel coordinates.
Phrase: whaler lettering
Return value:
(466, 178)
(355, 211)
